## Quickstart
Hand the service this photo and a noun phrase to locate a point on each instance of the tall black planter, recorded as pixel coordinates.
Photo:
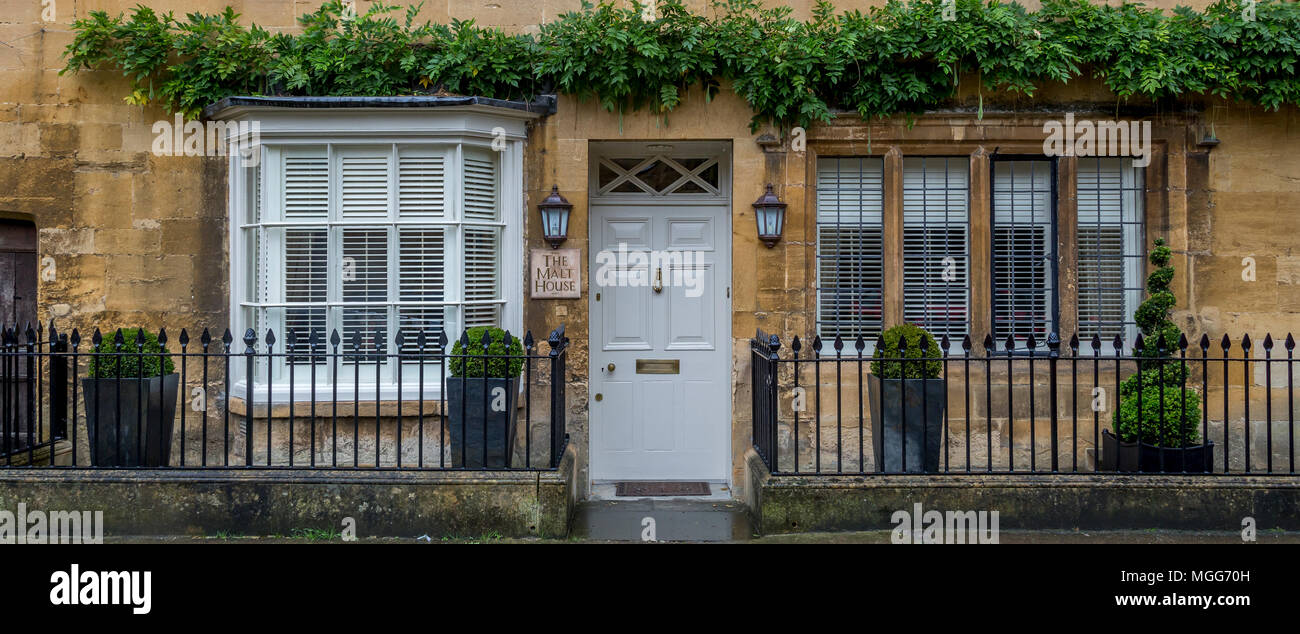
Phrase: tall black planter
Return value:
(481, 401)
(1126, 456)
(924, 409)
(129, 421)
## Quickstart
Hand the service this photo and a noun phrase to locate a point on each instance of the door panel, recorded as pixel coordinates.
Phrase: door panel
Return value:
(664, 422)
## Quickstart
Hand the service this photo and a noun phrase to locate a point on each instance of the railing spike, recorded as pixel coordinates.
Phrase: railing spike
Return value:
(838, 344)
(226, 337)
(1268, 341)
(1031, 342)
(966, 343)
(1182, 341)
(76, 337)
(1245, 342)
(162, 336)
(1139, 344)
(817, 344)
(945, 343)
(335, 339)
(796, 345)
(184, 339)
(1205, 342)
(529, 342)
(988, 343)
(1290, 342)
(1011, 343)
(1225, 343)
(442, 339)
(1074, 343)
(860, 344)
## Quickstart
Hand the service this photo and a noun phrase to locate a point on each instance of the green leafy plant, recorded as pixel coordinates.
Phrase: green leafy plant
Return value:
(899, 58)
(1165, 410)
(130, 363)
(1169, 416)
(470, 361)
(919, 344)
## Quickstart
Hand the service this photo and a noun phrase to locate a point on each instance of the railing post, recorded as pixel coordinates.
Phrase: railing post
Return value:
(1054, 354)
(58, 384)
(250, 338)
(557, 342)
(773, 398)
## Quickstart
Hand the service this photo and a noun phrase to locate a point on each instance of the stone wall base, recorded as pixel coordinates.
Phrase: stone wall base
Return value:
(386, 503)
(791, 504)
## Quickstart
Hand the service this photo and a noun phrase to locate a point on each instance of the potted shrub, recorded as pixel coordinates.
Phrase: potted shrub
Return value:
(1155, 402)
(130, 398)
(481, 395)
(907, 400)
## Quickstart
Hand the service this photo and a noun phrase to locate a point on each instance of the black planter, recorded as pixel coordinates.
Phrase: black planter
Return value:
(129, 421)
(479, 419)
(923, 406)
(1198, 458)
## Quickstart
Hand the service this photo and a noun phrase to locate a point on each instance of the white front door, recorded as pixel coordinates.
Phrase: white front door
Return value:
(660, 315)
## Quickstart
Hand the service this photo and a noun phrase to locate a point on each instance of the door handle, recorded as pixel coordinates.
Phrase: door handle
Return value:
(658, 286)
(610, 367)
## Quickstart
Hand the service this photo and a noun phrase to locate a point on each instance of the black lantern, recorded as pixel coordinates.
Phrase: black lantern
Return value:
(769, 213)
(555, 217)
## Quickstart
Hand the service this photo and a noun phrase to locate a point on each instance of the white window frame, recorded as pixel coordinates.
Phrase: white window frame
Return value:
(501, 131)
(1132, 224)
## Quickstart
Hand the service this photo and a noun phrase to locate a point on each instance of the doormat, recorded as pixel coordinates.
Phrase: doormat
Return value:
(654, 489)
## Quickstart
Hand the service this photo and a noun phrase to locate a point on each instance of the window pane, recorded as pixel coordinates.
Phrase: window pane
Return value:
(935, 221)
(1110, 247)
(364, 187)
(482, 276)
(305, 281)
(364, 278)
(850, 278)
(480, 187)
(306, 184)
(1023, 279)
(420, 182)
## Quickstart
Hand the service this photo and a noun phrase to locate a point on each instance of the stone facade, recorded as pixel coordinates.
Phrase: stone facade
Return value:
(137, 239)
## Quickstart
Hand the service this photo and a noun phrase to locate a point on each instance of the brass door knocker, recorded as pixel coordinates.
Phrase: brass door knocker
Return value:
(658, 286)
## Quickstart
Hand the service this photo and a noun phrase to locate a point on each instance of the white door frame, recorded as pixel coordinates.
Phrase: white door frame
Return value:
(720, 199)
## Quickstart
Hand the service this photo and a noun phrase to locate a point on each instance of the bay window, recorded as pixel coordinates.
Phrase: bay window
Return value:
(370, 234)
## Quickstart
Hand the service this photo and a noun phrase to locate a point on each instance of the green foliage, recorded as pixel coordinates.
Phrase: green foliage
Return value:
(463, 363)
(1163, 378)
(917, 340)
(105, 365)
(900, 58)
(1178, 426)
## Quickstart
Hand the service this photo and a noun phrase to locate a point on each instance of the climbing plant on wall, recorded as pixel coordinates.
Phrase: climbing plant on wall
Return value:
(895, 59)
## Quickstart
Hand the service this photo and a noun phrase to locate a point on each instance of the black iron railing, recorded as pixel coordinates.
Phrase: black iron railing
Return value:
(310, 402)
(1026, 407)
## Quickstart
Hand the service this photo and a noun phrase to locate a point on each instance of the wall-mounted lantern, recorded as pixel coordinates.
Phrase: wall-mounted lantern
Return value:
(555, 217)
(769, 213)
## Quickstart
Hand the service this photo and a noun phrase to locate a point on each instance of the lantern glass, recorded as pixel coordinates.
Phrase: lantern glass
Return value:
(555, 218)
(769, 216)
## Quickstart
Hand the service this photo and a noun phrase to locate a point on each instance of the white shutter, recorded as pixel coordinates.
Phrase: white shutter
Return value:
(306, 184)
(421, 185)
(482, 279)
(364, 279)
(850, 247)
(936, 216)
(363, 187)
(480, 186)
(305, 282)
(421, 279)
(1022, 249)
(1109, 247)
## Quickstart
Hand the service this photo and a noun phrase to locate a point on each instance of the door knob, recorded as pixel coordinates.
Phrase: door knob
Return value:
(610, 367)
